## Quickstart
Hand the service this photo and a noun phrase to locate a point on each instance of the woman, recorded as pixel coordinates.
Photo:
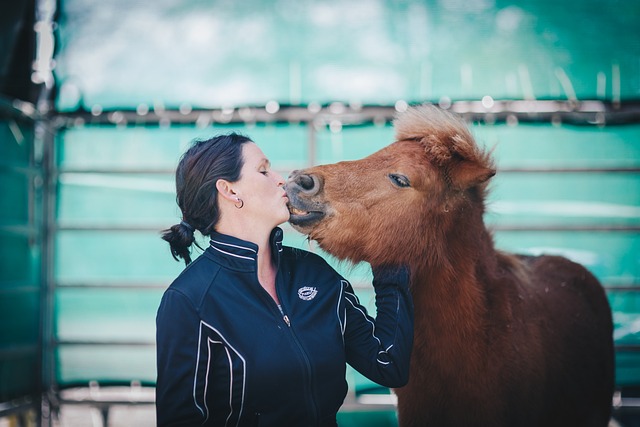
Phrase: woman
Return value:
(254, 333)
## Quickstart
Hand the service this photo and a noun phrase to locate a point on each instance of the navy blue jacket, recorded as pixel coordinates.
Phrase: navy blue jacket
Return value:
(229, 356)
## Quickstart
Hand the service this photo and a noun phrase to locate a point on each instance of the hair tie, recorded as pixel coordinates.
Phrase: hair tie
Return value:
(187, 225)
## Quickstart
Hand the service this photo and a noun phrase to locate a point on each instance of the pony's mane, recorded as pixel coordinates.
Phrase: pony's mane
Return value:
(445, 136)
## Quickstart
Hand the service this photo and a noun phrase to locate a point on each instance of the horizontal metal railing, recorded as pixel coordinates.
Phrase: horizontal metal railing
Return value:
(17, 109)
(18, 406)
(493, 227)
(587, 112)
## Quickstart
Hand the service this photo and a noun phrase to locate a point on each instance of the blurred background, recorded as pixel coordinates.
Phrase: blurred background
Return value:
(98, 100)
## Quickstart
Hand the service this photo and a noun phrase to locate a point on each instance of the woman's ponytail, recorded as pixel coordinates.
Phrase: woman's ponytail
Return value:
(180, 237)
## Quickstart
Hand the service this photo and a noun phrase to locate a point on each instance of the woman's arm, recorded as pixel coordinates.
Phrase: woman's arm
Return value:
(380, 348)
(177, 325)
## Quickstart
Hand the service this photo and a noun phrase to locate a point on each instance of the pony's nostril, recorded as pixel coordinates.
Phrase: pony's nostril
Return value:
(306, 182)
(300, 182)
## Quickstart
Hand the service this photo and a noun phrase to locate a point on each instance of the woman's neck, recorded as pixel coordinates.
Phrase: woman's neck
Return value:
(266, 268)
(244, 230)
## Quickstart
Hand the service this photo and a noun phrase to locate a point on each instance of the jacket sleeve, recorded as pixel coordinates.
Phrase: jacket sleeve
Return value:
(177, 325)
(380, 348)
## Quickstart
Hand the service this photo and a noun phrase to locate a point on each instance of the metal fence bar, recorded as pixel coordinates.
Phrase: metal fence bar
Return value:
(586, 112)
(46, 137)
(18, 109)
(633, 348)
(116, 285)
(567, 228)
(562, 170)
(493, 227)
(17, 406)
(119, 343)
(635, 287)
(163, 171)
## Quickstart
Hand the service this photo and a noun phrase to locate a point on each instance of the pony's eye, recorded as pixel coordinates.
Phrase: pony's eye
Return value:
(399, 180)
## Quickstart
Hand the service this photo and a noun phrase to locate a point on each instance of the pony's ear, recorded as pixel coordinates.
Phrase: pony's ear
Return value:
(462, 162)
(468, 165)
(466, 173)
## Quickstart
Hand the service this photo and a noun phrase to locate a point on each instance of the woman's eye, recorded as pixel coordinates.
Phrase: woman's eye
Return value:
(264, 172)
(399, 180)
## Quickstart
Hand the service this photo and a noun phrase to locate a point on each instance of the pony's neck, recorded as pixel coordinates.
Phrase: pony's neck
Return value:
(449, 286)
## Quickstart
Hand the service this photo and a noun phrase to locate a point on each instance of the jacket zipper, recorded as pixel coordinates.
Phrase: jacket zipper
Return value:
(287, 321)
(307, 363)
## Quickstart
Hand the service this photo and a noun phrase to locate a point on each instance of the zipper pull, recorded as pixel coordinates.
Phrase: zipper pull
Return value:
(284, 316)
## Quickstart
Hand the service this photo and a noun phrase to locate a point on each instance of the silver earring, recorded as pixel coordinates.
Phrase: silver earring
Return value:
(239, 200)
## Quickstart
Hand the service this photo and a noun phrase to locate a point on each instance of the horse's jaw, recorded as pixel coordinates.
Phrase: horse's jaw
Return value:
(304, 221)
(302, 218)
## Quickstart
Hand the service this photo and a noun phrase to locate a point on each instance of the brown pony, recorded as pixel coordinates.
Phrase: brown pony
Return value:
(500, 339)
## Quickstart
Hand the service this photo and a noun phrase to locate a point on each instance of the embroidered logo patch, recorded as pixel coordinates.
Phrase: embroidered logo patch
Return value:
(307, 293)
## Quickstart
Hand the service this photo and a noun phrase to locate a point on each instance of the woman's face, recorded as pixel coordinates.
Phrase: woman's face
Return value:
(261, 188)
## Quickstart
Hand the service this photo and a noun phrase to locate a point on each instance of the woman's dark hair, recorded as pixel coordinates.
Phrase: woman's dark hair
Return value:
(200, 167)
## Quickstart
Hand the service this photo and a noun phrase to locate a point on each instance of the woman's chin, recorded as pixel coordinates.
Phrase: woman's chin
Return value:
(283, 218)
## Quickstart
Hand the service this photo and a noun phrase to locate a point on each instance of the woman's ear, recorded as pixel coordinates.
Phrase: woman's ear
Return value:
(224, 189)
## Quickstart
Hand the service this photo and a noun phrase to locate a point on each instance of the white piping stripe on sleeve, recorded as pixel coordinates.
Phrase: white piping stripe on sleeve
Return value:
(230, 379)
(195, 377)
(343, 324)
(234, 246)
(383, 352)
(373, 325)
(230, 386)
(244, 371)
(234, 255)
(206, 381)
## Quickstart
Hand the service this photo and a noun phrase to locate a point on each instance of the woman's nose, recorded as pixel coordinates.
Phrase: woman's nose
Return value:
(279, 179)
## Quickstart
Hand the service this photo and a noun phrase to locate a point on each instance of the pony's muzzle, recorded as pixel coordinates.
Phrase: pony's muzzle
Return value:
(305, 205)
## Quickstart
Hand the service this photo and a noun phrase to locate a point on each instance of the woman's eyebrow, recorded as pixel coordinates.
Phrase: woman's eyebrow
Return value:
(265, 162)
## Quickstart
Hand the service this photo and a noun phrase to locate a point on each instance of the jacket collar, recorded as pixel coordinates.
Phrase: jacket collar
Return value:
(241, 254)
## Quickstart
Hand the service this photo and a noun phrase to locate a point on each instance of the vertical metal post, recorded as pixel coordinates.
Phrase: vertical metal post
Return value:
(46, 137)
(36, 214)
(311, 143)
(44, 150)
